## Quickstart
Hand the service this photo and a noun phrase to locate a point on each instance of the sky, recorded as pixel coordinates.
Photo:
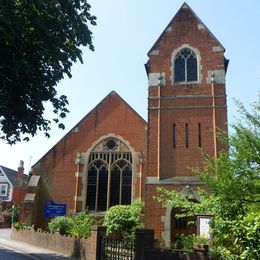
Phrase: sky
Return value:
(125, 32)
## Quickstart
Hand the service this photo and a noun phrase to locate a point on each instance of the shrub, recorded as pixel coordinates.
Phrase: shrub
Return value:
(61, 224)
(15, 212)
(20, 225)
(221, 253)
(124, 219)
(77, 225)
(187, 242)
(82, 224)
(247, 236)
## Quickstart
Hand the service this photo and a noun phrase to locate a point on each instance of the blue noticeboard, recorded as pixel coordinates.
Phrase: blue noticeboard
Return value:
(52, 209)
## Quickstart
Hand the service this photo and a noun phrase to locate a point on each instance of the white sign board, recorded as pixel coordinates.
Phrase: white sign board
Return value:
(203, 226)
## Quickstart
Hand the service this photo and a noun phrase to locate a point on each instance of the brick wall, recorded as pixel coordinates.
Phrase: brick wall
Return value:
(18, 195)
(84, 248)
(183, 105)
(57, 167)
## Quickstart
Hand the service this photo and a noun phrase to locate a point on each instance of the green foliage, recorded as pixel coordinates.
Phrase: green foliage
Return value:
(221, 253)
(15, 211)
(82, 224)
(40, 40)
(187, 242)
(77, 225)
(246, 232)
(61, 224)
(233, 179)
(20, 225)
(124, 219)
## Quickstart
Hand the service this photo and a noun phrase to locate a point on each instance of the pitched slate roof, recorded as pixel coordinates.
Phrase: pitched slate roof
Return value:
(12, 176)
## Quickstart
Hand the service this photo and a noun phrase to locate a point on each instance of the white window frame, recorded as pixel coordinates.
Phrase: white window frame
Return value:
(5, 189)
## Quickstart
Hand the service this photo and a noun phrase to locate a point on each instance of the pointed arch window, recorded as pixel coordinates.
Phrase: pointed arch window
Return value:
(185, 66)
(109, 176)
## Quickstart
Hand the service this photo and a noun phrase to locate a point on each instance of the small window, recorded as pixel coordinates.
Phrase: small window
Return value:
(199, 135)
(185, 66)
(174, 136)
(187, 135)
(3, 190)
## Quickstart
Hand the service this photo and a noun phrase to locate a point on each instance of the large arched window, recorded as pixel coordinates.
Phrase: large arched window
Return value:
(185, 66)
(109, 176)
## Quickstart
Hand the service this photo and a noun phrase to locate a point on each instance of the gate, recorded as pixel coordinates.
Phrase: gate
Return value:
(116, 249)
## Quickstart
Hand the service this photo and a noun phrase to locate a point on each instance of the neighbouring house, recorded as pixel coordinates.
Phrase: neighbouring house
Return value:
(13, 184)
(113, 155)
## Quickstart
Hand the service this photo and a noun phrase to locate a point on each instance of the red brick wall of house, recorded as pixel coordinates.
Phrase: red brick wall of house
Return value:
(182, 104)
(18, 195)
(57, 167)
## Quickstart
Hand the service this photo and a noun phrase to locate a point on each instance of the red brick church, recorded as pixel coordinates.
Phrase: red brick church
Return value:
(113, 155)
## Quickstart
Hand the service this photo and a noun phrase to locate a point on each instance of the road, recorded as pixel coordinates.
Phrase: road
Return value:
(10, 254)
(16, 250)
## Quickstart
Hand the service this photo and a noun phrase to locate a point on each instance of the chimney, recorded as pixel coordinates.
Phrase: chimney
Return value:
(20, 173)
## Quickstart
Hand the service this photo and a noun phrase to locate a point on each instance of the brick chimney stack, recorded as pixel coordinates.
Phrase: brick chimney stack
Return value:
(20, 173)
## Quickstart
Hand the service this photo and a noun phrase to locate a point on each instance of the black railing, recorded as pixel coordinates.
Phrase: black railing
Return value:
(117, 249)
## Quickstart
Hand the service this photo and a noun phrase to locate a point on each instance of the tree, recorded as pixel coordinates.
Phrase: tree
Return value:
(39, 41)
(233, 179)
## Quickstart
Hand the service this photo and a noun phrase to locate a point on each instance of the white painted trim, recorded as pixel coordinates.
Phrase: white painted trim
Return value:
(10, 196)
(1, 169)
(6, 189)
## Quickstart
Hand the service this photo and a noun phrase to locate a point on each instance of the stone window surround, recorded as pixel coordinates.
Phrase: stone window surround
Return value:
(199, 67)
(85, 157)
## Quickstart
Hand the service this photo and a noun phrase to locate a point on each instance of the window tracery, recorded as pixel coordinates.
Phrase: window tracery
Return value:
(109, 176)
(185, 66)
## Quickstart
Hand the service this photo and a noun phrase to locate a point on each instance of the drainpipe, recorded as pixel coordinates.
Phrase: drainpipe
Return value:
(214, 113)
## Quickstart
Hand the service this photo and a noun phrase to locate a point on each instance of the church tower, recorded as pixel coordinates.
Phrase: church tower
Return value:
(186, 105)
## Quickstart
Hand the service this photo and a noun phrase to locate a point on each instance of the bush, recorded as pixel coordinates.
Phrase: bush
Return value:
(61, 224)
(221, 253)
(15, 212)
(20, 225)
(247, 236)
(124, 219)
(77, 225)
(82, 225)
(187, 242)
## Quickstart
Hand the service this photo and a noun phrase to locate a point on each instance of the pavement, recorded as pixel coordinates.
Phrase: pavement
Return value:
(27, 249)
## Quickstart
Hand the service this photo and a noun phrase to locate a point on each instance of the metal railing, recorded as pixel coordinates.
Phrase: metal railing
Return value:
(117, 249)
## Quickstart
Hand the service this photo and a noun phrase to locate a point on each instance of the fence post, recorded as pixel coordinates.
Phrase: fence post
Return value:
(98, 233)
(144, 240)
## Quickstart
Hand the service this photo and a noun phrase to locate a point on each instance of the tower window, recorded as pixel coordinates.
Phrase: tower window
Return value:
(187, 135)
(199, 135)
(185, 66)
(174, 136)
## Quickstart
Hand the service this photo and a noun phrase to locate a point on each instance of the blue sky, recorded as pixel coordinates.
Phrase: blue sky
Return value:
(125, 32)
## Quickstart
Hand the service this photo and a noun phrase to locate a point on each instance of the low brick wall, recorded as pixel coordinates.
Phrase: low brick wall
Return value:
(83, 248)
(90, 248)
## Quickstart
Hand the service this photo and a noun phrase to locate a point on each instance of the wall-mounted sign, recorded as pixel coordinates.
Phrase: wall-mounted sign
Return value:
(52, 209)
(203, 226)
